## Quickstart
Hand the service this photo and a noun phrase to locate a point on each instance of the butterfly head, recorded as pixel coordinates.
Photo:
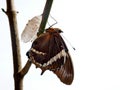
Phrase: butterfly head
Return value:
(54, 30)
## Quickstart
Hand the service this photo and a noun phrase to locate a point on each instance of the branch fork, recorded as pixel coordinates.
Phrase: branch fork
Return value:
(20, 72)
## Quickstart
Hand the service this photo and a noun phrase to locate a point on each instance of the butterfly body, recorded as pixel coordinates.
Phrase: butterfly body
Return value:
(49, 52)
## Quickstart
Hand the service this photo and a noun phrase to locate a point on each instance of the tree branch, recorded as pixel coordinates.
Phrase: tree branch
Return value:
(45, 15)
(19, 73)
(11, 13)
(41, 30)
(26, 68)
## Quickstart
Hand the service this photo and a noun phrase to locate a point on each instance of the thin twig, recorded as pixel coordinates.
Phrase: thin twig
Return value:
(25, 69)
(45, 16)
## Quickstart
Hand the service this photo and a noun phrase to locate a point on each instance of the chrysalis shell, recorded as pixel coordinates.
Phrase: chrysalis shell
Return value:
(31, 29)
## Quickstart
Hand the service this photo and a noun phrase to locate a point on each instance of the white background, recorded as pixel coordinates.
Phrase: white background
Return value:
(92, 27)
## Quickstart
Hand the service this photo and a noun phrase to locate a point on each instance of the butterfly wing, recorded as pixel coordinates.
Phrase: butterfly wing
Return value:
(66, 72)
(49, 52)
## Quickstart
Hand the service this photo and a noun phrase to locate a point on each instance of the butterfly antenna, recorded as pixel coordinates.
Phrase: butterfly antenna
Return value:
(69, 42)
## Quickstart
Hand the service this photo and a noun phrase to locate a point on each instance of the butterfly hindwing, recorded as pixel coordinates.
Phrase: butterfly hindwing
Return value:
(66, 72)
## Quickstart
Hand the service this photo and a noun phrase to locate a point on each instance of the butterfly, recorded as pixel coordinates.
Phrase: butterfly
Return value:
(49, 52)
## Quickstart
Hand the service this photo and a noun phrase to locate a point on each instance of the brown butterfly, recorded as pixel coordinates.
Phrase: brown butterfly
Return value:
(49, 52)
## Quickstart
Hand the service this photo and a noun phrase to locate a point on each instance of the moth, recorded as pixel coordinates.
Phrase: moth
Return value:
(49, 52)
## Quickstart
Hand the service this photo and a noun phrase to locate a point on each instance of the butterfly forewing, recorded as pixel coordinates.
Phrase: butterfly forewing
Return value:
(49, 52)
